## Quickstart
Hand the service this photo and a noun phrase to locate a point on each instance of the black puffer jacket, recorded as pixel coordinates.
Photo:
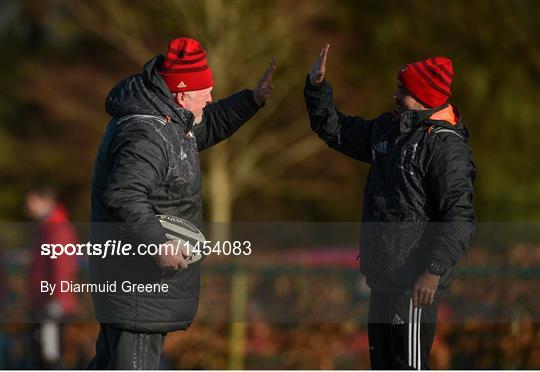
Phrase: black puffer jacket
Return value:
(148, 164)
(418, 196)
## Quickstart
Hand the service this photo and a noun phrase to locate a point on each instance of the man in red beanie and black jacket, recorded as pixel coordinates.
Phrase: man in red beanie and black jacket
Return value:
(418, 216)
(148, 164)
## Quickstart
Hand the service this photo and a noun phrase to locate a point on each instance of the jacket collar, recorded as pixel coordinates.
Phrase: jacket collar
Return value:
(410, 120)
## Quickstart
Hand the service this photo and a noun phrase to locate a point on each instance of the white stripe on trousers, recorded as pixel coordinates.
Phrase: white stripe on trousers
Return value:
(414, 336)
(410, 332)
(419, 347)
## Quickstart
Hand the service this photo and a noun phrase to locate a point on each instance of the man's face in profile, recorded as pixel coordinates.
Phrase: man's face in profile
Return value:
(195, 101)
(404, 101)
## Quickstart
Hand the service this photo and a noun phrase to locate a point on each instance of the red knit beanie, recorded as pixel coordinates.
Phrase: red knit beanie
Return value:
(185, 67)
(429, 81)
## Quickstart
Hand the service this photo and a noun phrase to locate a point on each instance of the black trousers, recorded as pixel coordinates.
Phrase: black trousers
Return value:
(400, 336)
(121, 349)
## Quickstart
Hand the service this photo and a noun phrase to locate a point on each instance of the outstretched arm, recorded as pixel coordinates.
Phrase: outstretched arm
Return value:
(222, 118)
(349, 135)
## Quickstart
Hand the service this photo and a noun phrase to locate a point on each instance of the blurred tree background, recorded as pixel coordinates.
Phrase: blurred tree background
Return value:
(61, 58)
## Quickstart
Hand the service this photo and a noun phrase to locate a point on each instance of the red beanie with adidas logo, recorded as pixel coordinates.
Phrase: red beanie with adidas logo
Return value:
(185, 67)
(428, 81)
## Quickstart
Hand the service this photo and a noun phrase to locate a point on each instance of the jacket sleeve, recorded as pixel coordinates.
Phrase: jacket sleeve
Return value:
(139, 166)
(222, 118)
(451, 175)
(349, 135)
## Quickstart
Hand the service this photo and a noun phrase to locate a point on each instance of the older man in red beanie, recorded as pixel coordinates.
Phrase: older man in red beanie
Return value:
(418, 215)
(148, 165)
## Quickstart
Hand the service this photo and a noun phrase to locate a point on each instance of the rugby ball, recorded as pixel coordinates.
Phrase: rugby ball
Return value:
(177, 228)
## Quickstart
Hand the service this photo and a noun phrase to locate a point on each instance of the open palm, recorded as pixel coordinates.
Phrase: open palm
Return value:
(318, 70)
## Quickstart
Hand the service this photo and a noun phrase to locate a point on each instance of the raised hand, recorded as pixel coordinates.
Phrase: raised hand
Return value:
(318, 70)
(265, 86)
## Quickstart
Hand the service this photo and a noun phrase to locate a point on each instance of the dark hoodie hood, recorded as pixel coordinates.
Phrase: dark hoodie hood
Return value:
(146, 94)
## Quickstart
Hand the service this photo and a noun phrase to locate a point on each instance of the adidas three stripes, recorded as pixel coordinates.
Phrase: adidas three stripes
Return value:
(400, 336)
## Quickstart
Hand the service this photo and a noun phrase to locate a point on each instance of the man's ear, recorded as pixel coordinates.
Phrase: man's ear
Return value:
(179, 99)
(421, 105)
(418, 105)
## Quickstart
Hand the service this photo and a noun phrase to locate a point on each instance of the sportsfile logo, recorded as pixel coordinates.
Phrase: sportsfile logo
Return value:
(117, 248)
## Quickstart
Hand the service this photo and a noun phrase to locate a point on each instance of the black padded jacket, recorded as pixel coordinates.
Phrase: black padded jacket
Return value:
(418, 196)
(148, 164)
